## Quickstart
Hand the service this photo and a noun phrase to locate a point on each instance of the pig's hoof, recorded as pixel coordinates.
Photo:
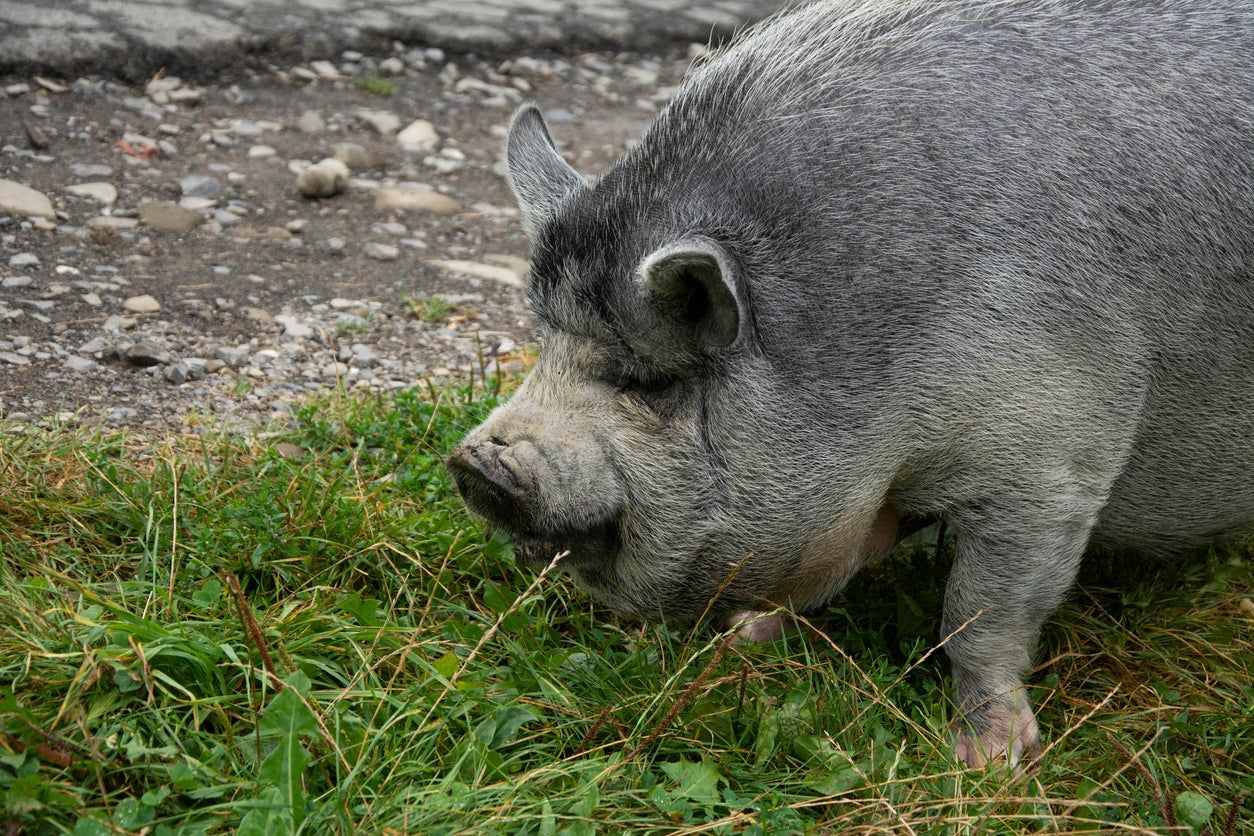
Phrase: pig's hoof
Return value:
(754, 627)
(1007, 733)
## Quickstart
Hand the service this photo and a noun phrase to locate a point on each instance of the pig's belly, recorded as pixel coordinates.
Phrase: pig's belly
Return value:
(1190, 479)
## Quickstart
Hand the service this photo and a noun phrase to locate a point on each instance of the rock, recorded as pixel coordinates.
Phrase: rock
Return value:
(419, 137)
(296, 227)
(236, 358)
(293, 327)
(103, 193)
(36, 136)
(110, 222)
(142, 304)
(75, 363)
(146, 354)
(323, 179)
(92, 299)
(364, 356)
(310, 122)
(41, 305)
(258, 152)
(381, 252)
(504, 275)
(353, 156)
(16, 199)
(93, 346)
(334, 245)
(289, 451)
(391, 66)
(178, 373)
(14, 282)
(325, 69)
(407, 198)
(24, 260)
(13, 359)
(196, 204)
(384, 122)
(86, 171)
(169, 217)
(200, 185)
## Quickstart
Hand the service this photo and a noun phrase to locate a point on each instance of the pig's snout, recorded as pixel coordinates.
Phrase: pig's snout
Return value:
(488, 478)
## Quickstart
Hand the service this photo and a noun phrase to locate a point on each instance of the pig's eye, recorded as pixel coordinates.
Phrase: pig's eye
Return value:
(653, 391)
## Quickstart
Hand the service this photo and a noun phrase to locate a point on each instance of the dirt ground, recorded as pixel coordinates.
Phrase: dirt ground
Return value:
(363, 294)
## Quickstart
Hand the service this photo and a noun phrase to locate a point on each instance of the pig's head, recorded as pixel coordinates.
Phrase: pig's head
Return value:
(655, 439)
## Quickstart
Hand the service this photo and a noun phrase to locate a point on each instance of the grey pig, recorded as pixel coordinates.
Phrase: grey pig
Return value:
(886, 262)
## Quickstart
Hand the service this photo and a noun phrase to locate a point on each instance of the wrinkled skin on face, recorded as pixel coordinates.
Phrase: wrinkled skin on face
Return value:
(650, 441)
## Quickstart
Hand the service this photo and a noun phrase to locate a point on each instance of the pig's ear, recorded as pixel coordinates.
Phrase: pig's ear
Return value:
(692, 282)
(538, 176)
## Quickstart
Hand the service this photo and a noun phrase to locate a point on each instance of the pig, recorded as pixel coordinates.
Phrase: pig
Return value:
(883, 263)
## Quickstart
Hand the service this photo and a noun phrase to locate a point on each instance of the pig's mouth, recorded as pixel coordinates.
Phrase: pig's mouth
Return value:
(587, 549)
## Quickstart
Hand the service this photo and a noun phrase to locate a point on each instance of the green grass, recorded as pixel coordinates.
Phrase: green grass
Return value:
(376, 84)
(433, 309)
(386, 668)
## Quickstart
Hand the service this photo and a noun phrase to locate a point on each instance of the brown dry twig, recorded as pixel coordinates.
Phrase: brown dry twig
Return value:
(686, 696)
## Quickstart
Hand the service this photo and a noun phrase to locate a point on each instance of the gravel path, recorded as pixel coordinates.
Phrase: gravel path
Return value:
(160, 266)
(132, 39)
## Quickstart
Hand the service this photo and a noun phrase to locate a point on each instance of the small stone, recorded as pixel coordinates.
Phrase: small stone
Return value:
(41, 305)
(325, 69)
(293, 327)
(14, 359)
(310, 122)
(14, 282)
(323, 179)
(196, 204)
(79, 364)
(146, 354)
(353, 156)
(419, 137)
(334, 245)
(89, 170)
(36, 136)
(142, 304)
(178, 373)
(92, 299)
(381, 252)
(559, 116)
(297, 226)
(504, 275)
(289, 451)
(412, 198)
(93, 346)
(23, 201)
(103, 193)
(236, 358)
(110, 222)
(258, 152)
(200, 185)
(391, 66)
(384, 122)
(169, 217)
(24, 260)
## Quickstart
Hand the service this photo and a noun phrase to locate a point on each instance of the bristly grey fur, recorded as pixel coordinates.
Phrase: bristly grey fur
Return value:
(990, 262)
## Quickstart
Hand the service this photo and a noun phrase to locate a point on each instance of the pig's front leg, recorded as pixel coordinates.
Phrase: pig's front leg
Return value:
(1006, 580)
